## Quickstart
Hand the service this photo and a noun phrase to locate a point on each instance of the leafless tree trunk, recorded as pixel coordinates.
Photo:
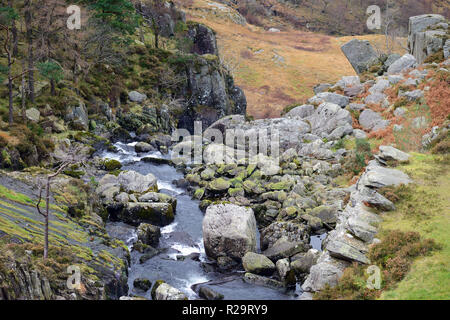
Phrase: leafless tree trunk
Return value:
(70, 156)
(29, 35)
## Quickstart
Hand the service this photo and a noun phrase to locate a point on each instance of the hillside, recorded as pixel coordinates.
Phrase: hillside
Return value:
(179, 151)
(276, 69)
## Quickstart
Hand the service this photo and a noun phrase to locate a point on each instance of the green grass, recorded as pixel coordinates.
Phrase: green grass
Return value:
(426, 211)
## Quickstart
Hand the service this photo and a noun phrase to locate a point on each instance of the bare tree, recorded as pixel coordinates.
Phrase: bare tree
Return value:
(70, 156)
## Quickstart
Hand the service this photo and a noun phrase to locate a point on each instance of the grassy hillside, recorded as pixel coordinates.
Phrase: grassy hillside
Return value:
(425, 209)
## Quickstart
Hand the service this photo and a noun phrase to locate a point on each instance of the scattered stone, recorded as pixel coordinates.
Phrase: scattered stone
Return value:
(404, 63)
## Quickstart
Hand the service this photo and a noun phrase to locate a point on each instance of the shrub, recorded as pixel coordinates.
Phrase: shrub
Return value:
(394, 255)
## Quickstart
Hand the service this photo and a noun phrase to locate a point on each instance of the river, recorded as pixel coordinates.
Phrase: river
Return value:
(181, 238)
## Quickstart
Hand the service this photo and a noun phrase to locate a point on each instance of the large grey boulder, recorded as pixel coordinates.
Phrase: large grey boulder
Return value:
(422, 41)
(258, 264)
(405, 62)
(229, 230)
(360, 54)
(134, 182)
(135, 213)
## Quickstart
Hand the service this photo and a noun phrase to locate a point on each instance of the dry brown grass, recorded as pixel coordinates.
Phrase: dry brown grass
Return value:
(309, 59)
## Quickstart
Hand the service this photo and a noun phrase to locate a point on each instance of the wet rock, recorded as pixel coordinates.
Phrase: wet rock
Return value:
(135, 213)
(207, 293)
(226, 263)
(229, 230)
(262, 281)
(303, 262)
(167, 292)
(143, 147)
(142, 284)
(148, 234)
(258, 264)
(285, 273)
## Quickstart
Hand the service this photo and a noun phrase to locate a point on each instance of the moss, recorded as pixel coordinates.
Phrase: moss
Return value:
(112, 165)
(199, 193)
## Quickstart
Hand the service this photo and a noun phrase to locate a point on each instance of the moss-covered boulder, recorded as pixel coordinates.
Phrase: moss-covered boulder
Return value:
(258, 264)
(219, 185)
(111, 165)
(236, 192)
(253, 187)
(199, 193)
(160, 214)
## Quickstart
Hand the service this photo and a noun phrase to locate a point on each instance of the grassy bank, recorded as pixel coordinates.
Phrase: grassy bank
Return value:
(424, 208)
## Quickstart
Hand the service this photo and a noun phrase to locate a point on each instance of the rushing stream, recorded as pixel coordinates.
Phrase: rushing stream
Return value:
(181, 238)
